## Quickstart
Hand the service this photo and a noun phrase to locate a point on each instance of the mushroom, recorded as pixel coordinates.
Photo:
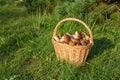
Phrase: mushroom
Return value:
(77, 35)
(85, 36)
(71, 36)
(59, 35)
(75, 41)
(62, 39)
(84, 42)
(56, 38)
(66, 38)
(71, 43)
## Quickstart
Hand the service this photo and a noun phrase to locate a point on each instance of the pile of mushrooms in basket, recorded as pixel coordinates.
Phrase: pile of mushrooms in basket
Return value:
(79, 38)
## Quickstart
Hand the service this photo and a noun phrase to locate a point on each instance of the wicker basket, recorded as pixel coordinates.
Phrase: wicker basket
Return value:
(73, 54)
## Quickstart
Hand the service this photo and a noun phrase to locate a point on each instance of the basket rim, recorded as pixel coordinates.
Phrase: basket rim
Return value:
(77, 46)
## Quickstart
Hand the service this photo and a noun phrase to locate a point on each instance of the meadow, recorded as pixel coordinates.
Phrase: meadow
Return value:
(27, 53)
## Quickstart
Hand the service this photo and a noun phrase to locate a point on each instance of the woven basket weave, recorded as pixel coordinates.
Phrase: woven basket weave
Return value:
(73, 54)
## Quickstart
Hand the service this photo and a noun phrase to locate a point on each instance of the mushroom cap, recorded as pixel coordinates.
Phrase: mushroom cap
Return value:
(71, 36)
(75, 41)
(84, 36)
(78, 35)
(66, 38)
(84, 42)
(71, 43)
(56, 38)
(62, 39)
(59, 35)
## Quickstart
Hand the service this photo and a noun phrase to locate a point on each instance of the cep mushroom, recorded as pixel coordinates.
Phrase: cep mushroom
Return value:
(71, 36)
(66, 38)
(71, 43)
(56, 38)
(62, 39)
(78, 35)
(59, 35)
(84, 42)
(75, 41)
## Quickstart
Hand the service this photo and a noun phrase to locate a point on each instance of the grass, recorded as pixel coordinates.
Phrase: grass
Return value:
(26, 51)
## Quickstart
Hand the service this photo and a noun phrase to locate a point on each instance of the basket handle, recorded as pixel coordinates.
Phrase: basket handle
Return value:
(74, 19)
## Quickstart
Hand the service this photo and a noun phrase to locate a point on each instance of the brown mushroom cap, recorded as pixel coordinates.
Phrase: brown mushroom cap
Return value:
(75, 41)
(66, 38)
(71, 36)
(77, 35)
(71, 43)
(84, 42)
(84, 36)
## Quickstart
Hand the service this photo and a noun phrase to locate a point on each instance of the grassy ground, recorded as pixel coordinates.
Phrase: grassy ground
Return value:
(26, 51)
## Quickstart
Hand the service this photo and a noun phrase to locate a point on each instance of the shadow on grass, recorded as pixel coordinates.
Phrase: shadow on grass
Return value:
(99, 46)
(10, 46)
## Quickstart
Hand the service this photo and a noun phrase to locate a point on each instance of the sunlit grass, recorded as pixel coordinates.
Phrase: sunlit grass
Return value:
(26, 51)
